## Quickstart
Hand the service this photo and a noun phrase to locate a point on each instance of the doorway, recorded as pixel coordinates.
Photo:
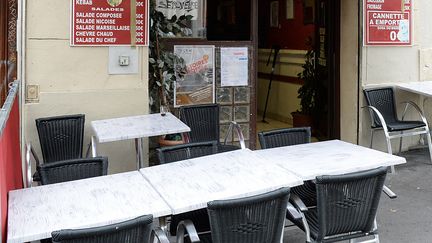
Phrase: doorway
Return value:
(296, 27)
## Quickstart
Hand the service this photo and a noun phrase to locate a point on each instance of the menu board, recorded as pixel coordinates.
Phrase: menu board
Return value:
(197, 86)
(388, 22)
(110, 22)
(234, 66)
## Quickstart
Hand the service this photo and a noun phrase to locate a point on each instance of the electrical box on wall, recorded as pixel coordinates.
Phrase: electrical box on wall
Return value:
(123, 60)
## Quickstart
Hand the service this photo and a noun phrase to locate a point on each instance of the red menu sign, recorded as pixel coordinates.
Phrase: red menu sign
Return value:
(388, 22)
(109, 22)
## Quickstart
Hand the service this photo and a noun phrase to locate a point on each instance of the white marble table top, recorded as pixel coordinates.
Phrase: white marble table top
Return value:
(422, 88)
(327, 158)
(35, 212)
(132, 127)
(189, 184)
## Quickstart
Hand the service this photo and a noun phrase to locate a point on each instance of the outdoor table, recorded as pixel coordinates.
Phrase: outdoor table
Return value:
(422, 88)
(189, 184)
(327, 158)
(35, 212)
(135, 127)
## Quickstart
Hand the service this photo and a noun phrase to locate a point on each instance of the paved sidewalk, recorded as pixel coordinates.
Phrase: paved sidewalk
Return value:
(407, 218)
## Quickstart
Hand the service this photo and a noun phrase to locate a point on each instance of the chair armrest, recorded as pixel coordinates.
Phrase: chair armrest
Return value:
(389, 192)
(190, 230)
(293, 212)
(297, 203)
(415, 106)
(29, 154)
(380, 117)
(160, 235)
(234, 125)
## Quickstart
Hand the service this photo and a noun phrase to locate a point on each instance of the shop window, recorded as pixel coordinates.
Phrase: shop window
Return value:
(194, 9)
(229, 20)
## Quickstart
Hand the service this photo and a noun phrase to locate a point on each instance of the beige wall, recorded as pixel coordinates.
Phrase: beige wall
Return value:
(390, 65)
(75, 80)
(348, 70)
(283, 96)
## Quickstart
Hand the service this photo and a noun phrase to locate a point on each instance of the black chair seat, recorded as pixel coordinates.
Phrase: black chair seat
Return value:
(198, 217)
(403, 125)
(204, 238)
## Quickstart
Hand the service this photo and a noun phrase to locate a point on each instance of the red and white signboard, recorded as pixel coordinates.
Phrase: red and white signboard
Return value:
(388, 22)
(109, 23)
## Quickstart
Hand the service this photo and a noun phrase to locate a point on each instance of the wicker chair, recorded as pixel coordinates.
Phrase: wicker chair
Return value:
(183, 152)
(138, 230)
(382, 107)
(288, 137)
(255, 219)
(60, 137)
(204, 123)
(346, 208)
(284, 137)
(69, 170)
(186, 151)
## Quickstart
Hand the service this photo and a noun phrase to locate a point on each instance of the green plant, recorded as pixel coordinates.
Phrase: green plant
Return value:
(164, 66)
(311, 91)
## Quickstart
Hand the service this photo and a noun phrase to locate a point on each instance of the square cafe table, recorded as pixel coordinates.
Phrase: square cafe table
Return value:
(327, 158)
(189, 184)
(135, 127)
(35, 212)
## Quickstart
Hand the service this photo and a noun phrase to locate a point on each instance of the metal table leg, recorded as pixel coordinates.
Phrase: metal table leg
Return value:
(93, 146)
(139, 152)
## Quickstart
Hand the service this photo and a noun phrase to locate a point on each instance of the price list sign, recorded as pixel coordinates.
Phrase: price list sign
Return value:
(110, 22)
(388, 22)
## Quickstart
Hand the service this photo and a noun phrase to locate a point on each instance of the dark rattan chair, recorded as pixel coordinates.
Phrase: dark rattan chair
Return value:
(183, 152)
(288, 137)
(137, 230)
(203, 121)
(382, 106)
(60, 137)
(69, 170)
(255, 219)
(346, 208)
(284, 137)
(186, 151)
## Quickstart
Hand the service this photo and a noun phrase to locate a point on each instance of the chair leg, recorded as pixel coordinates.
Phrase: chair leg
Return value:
(400, 144)
(428, 136)
(306, 228)
(390, 151)
(372, 136)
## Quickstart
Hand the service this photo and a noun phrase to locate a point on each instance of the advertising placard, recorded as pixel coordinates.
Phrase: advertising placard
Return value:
(388, 22)
(197, 86)
(110, 22)
(179, 7)
(234, 66)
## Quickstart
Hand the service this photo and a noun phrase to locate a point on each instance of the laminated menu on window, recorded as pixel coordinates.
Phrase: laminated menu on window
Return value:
(234, 66)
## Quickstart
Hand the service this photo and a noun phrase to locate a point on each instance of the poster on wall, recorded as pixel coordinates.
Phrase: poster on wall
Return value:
(109, 22)
(234, 66)
(179, 7)
(388, 22)
(197, 86)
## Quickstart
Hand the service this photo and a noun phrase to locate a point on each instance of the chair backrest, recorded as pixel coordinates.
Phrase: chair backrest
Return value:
(137, 230)
(69, 170)
(61, 137)
(384, 101)
(203, 121)
(284, 137)
(253, 219)
(348, 203)
(186, 151)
